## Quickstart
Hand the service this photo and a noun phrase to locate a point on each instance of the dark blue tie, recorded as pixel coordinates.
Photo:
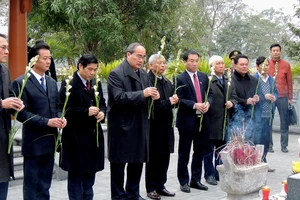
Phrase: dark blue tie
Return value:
(221, 81)
(43, 83)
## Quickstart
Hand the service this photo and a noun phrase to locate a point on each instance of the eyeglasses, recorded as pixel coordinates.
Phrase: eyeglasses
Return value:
(140, 57)
(4, 48)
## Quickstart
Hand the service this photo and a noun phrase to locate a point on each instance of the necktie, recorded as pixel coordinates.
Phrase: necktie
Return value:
(88, 86)
(197, 89)
(43, 83)
(221, 81)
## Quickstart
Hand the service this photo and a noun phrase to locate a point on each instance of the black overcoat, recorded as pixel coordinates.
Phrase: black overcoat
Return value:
(6, 160)
(79, 147)
(127, 115)
(217, 108)
(161, 130)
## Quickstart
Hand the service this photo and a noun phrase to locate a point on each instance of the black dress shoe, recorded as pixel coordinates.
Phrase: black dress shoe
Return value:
(198, 185)
(211, 180)
(165, 192)
(185, 188)
(271, 150)
(284, 150)
(153, 195)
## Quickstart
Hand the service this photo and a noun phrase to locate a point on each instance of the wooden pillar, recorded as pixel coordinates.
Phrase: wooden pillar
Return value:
(17, 33)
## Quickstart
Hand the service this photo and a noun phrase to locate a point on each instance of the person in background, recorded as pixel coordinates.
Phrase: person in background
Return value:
(42, 115)
(192, 107)
(8, 105)
(285, 93)
(129, 94)
(219, 87)
(264, 109)
(161, 131)
(80, 155)
(231, 56)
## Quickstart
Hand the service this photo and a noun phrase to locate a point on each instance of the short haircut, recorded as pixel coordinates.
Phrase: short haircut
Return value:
(275, 45)
(131, 48)
(3, 36)
(186, 54)
(154, 57)
(236, 59)
(36, 49)
(260, 60)
(86, 59)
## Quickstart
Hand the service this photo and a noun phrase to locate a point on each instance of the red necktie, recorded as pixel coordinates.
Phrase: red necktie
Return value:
(197, 89)
(88, 86)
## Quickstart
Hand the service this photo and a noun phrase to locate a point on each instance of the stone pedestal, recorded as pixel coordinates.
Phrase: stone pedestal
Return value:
(241, 183)
(293, 187)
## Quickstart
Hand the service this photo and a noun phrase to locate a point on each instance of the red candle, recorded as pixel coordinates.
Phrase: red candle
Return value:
(285, 186)
(265, 192)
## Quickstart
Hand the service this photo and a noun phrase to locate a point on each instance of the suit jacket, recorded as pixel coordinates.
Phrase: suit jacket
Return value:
(6, 160)
(79, 147)
(187, 96)
(40, 106)
(161, 130)
(127, 115)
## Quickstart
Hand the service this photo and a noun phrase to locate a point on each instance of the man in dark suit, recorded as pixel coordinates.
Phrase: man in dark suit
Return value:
(7, 105)
(80, 155)
(161, 131)
(129, 93)
(192, 107)
(41, 100)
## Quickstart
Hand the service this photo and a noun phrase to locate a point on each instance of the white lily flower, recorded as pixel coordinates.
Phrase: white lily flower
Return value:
(70, 77)
(67, 81)
(98, 79)
(69, 87)
(28, 75)
(209, 78)
(96, 93)
(228, 84)
(95, 87)
(68, 94)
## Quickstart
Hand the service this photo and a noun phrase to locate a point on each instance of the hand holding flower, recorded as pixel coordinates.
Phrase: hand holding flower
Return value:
(229, 104)
(13, 103)
(174, 99)
(270, 97)
(57, 122)
(256, 98)
(100, 116)
(93, 111)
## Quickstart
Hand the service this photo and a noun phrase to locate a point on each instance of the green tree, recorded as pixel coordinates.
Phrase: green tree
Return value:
(104, 27)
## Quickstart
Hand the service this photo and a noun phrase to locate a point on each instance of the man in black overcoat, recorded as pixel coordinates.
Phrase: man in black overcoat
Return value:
(129, 95)
(7, 106)
(81, 155)
(161, 131)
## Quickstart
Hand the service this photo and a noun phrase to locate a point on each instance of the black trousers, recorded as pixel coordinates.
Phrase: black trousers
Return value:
(132, 187)
(80, 186)
(3, 190)
(156, 171)
(38, 172)
(200, 142)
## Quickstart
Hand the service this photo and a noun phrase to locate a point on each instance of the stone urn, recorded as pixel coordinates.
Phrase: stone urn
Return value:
(241, 183)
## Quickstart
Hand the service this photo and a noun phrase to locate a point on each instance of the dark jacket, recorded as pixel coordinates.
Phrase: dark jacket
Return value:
(161, 130)
(6, 160)
(217, 108)
(187, 96)
(245, 88)
(127, 115)
(40, 106)
(79, 145)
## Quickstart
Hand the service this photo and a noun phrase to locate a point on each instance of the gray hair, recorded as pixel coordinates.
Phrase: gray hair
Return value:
(154, 57)
(131, 48)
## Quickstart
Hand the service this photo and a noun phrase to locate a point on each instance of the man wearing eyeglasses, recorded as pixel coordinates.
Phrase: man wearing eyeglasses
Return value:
(129, 94)
(7, 105)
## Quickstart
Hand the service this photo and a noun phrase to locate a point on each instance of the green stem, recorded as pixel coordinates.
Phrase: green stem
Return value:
(205, 101)
(252, 108)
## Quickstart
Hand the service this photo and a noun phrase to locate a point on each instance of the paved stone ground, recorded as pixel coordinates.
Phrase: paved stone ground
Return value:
(281, 161)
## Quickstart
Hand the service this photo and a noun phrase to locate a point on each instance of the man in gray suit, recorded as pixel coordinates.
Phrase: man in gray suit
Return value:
(7, 105)
(41, 100)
